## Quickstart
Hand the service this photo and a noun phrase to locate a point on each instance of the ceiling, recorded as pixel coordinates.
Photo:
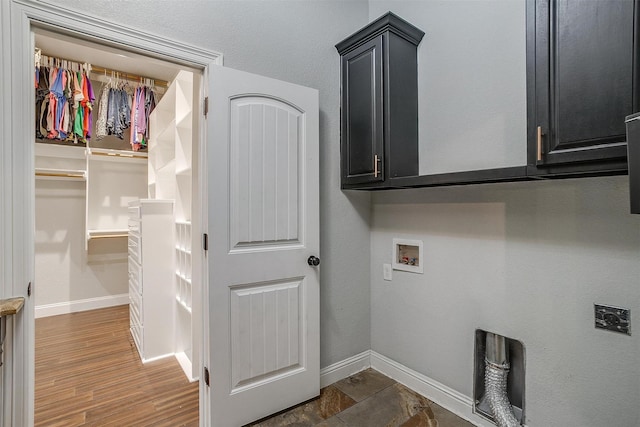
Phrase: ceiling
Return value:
(80, 50)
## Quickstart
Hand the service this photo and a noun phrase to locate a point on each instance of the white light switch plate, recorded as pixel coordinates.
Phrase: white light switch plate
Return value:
(386, 271)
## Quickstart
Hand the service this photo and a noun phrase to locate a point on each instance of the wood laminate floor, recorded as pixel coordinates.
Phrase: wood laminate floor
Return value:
(88, 373)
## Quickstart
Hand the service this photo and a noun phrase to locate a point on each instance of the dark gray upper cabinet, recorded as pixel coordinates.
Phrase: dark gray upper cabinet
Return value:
(583, 79)
(379, 102)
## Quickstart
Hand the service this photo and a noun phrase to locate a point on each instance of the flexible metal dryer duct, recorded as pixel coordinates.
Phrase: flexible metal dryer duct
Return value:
(495, 381)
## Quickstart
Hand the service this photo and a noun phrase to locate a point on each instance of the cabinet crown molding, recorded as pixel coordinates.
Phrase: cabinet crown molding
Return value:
(387, 22)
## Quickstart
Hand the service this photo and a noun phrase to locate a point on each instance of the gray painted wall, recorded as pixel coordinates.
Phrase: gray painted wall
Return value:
(528, 261)
(471, 81)
(292, 41)
(525, 260)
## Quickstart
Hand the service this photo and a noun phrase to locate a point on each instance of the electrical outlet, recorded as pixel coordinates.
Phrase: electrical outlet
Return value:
(613, 318)
(386, 272)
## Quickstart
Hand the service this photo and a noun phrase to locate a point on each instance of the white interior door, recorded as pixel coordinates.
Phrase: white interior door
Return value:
(262, 162)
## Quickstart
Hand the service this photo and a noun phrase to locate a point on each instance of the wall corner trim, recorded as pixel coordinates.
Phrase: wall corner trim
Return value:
(345, 368)
(81, 305)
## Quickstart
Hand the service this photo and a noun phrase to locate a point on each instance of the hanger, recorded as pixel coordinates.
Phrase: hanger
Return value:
(38, 57)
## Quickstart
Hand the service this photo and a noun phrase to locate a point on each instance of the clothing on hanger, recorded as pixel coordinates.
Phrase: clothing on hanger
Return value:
(143, 104)
(65, 102)
(103, 106)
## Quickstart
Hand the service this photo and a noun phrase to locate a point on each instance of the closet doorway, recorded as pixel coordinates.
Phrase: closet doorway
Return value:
(116, 217)
(288, 274)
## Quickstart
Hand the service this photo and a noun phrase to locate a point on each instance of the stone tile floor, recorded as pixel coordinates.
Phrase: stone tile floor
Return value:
(366, 399)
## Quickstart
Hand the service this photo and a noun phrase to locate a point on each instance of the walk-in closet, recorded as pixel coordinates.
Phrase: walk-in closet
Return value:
(115, 213)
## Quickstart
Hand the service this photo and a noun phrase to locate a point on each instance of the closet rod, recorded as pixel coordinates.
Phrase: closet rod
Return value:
(61, 175)
(108, 71)
(112, 154)
(128, 76)
(108, 236)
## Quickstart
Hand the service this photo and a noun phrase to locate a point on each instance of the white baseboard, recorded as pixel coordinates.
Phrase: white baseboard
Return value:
(441, 394)
(80, 305)
(345, 368)
(156, 358)
(185, 364)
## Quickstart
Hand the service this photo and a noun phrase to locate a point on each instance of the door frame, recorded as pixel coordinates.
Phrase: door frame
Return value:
(18, 18)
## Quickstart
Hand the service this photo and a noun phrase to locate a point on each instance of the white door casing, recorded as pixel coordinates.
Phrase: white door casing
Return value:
(17, 234)
(263, 225)
(5, 188)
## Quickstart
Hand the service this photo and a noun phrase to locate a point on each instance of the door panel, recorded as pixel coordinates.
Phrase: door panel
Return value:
(603, 87)
(583, 68)
(262, 160)
(266, 332)
(362, 106)
(265, 147)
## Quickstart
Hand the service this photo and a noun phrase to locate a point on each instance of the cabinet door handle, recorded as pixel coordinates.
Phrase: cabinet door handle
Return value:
(539, 154)
(375, 166)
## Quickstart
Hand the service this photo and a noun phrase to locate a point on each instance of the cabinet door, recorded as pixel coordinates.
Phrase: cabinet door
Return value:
(583, 63)
(362, 121)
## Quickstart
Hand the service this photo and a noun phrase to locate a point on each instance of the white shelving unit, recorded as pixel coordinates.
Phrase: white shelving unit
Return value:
(162, 130)
(184, 294)
(170, 176)
(60, 163)
(151, 286)
(114, 178)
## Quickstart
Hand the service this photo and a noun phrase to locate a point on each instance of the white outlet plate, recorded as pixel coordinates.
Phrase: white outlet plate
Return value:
(387, 272)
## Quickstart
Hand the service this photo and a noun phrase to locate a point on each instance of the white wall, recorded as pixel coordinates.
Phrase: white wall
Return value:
(527, 260)
(64, 271)
(292, 41)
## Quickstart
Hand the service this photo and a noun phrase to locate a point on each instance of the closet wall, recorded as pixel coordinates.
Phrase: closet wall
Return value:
(71, 272)
(66, 275)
